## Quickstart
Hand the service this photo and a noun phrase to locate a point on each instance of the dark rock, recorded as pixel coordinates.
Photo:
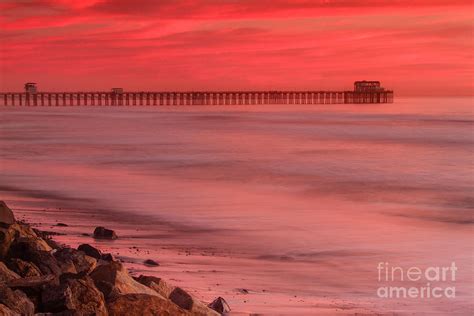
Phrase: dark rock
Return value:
(6, 214)
(157, 284)
(74, 261)
(90, 251)
(151, 263)
(113, 279)
(104, 233)
(40, 233)
(29, 252)
(184, 300)
(220, 305)
(46, 235)
(5, 311)
(33, 243)
(7, 236)
(56, 298)
(31, 282)
(181, 298)
(78, 295)
(62, 225)
(53, 244)
(16, 301)
(143, 304)
(107, 257)
(106, 288)
(70, 276)
(23, 268)
(243, 291)
(7, 274)
(63, 313)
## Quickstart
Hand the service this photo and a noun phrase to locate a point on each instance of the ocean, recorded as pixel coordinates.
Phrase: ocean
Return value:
(307, 199)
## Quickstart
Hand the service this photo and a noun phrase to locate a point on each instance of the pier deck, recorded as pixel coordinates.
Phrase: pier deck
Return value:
(192, 98)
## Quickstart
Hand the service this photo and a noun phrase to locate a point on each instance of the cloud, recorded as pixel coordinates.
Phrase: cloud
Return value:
(415, 47)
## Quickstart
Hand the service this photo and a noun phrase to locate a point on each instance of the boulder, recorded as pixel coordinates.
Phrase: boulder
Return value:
(46, 236)
(107, 257)
(104, 233)
(44, 260)
(7, 236)
(151, 263)
(5, 311)
(74, 261)
(23, 268)
(143, 304)
(78, 296)
(220, 305)
(184, 300)
(6, 274)
(34, 243)
(6, 214)
(16, 301)
(157, 284)
(31, 282)
(24, 230)
(90, 251)
(113, 279)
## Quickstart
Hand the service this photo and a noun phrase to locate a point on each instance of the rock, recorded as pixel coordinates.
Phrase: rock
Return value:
(47, 238)
(104, 233)
(61, 225)
(157, 284)
(31, 282)
(29, 252)
(24, 230)
(6, 215)
(220, 305)
(90, 251)
(181, 298)
(79, 296)
(33, 286)
(7, 236)
(34, 243)
(6, 274)
(243, 291)
(152, 263)
(56, 298)
(184, 300)
(74, 261)
(23, 268)
(87, 298)
(113, 279)
(5, 311)
(143, 304)
(107, 257)
(16, 301)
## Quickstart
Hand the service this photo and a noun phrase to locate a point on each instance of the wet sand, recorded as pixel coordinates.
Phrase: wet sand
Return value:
(209, 272)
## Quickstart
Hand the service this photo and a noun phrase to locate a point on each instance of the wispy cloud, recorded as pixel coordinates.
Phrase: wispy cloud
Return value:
(416, 47)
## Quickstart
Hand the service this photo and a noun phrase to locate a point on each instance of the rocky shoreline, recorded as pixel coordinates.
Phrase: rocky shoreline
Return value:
(40, 277)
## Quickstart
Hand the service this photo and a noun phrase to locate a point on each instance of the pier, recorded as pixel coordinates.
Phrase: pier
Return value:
(364, 92)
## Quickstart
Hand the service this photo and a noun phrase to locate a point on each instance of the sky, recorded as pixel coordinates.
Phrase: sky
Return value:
(416, 47)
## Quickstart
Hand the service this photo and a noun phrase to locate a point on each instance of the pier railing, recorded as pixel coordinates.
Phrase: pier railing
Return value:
(192, 98)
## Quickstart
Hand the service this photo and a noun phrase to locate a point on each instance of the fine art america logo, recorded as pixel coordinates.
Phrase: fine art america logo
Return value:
(415, 282)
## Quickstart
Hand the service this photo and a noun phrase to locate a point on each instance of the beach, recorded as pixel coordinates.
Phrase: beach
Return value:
(278, 209)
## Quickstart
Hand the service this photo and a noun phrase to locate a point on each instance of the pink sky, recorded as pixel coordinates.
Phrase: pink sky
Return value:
(417, 47)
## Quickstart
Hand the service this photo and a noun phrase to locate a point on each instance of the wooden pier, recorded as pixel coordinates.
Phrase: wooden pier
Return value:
(142, 98)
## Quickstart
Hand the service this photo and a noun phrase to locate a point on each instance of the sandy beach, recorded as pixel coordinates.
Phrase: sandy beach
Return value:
(192, 268)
